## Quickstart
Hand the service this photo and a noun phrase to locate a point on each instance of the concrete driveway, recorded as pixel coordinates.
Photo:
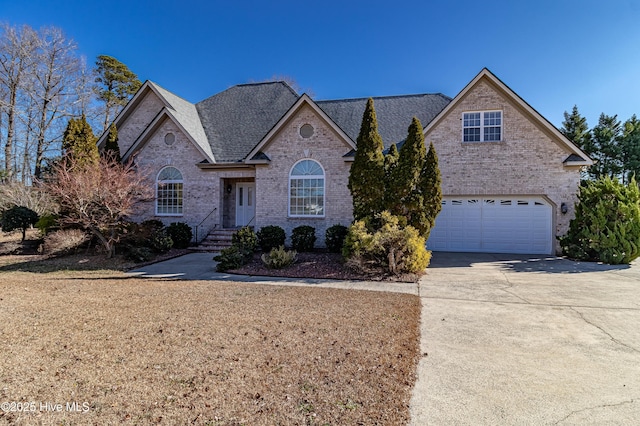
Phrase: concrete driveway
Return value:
(528, 340)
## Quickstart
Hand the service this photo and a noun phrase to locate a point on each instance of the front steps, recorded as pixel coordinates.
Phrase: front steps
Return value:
(217, 240)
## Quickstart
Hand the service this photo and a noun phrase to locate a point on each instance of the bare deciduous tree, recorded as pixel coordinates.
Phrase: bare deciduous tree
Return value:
(98, 199)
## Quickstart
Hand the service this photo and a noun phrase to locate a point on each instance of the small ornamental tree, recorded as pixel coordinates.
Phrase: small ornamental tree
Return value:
(431, 188)
(79, 143)
(111, 147)
(97, 199)
(18, 217)
(366, 177)
(606, 226)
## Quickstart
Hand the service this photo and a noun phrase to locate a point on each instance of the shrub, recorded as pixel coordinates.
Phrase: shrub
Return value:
(334, 237)
(606, 226)
(160, 241)
(303, 238)
(180, 233)
(230, 258)
(279, 258)
(47, 223)
(396, 248)
(138, 253)
(63, 241)
(18, 217)
(152, 224)
(245, 239)
(270, 237)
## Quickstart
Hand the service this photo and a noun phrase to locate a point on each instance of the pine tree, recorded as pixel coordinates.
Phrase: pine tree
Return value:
(604, 147)
(575, 128)
(630, 147)
(111, 147)
(403, 193)
(366, 177)
(116, 83)
(431, 188)
(79, 143)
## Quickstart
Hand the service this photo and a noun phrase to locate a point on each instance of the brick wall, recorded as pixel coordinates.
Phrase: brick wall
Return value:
(526, 162)
(138, 120)
(272, 180)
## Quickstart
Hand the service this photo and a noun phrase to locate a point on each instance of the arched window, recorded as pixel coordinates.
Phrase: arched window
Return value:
(169, 192)
(306, 189)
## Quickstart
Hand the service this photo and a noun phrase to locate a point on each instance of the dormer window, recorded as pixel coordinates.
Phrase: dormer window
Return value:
(482, 126)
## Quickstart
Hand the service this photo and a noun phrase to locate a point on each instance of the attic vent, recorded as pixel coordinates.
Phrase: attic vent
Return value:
(306, 131)
(169, 138)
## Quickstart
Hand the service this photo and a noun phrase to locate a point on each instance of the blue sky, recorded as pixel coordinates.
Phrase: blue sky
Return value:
(553, 53)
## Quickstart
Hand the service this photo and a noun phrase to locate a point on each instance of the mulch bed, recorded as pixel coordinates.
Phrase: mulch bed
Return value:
(321, 265)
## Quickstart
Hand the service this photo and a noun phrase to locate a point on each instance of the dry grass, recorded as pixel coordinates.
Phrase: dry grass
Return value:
(203, 352)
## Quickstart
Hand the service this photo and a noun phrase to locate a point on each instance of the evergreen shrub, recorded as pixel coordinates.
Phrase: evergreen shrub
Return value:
(245, 239)
(334, 237)
(180, 233)
(18, 217)
(270, 237)
(279, 258)
(303, 238)
(606, 226)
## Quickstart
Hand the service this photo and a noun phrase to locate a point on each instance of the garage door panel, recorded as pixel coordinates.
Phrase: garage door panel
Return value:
(493, 224)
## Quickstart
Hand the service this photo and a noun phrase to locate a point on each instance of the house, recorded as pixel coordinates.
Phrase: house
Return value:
(261, 154)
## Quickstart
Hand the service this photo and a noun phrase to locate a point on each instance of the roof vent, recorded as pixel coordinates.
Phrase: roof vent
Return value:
(306, 131)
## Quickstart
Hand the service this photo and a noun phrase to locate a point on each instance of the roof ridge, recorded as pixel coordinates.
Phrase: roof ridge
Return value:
(170, 92)
(413, 95)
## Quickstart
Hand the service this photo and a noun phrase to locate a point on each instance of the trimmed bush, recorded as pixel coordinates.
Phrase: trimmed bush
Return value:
(279, 258)
(230, 258)
(303, 238)
(334, 238)
(270, 237)
(180, 233)
(245, 239)
(606, 226)
(394, 247)
(63, 241)
(18, 217)
(160, 241)
(138, 253)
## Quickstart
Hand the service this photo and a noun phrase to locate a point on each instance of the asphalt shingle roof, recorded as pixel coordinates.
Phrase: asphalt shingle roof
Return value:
(394, 114)
(238, 118)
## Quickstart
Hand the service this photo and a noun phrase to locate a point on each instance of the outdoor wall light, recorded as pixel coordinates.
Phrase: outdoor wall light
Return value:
(229, 189)
(563, 208)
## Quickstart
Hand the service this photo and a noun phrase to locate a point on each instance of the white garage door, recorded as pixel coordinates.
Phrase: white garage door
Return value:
(493, 225)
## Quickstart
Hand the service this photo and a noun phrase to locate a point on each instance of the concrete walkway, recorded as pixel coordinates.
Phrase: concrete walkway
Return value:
(200, 266)
(507, 339)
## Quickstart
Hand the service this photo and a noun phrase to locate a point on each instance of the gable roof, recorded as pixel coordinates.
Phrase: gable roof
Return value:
(182, 112)
(576, 156)
(394, 113)
(256, 154)
(236, 119)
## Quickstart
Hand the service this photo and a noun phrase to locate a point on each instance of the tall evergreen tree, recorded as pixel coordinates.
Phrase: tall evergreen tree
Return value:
(390, 163)
(111, 147)
(431, 188)
(630, 147)
(604, 147)
(115, 84)
(79, 143)
(366, 177)
(575, 128)
(403, 192)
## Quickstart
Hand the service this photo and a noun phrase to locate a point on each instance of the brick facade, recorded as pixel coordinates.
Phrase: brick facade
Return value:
(526, 162)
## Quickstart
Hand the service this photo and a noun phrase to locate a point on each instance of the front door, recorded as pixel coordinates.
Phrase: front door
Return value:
(245, 203)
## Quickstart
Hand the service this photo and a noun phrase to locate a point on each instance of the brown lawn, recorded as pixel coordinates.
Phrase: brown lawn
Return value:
(139, 351)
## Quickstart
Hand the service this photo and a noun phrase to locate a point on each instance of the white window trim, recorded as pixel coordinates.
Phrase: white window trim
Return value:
(324, 192)
(482, 126)
(169, 181)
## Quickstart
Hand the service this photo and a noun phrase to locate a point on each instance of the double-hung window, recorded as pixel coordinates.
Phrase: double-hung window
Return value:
(482, 126)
